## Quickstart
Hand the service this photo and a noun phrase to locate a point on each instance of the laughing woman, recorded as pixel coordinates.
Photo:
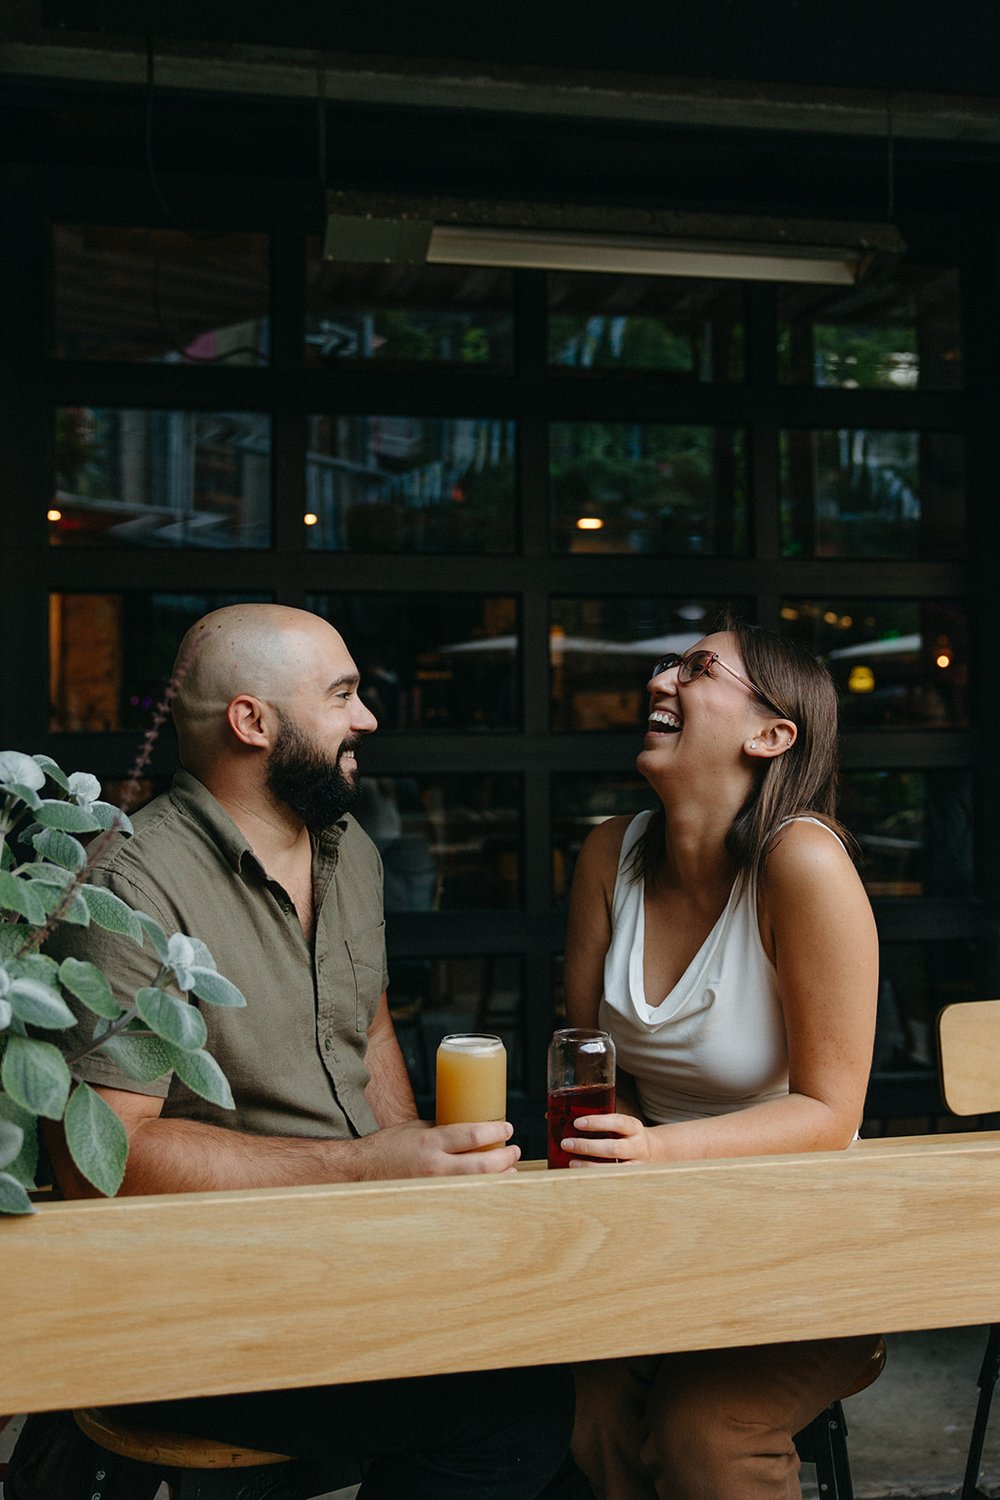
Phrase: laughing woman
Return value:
(727, 944)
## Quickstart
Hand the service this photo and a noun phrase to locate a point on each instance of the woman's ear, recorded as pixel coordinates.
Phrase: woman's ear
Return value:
(249, 720)
(773, 738)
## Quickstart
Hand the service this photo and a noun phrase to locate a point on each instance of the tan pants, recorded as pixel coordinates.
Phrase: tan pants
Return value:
(713, 1425)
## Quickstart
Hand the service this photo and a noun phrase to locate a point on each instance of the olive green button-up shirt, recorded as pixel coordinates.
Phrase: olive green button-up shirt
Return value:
(295, 1057)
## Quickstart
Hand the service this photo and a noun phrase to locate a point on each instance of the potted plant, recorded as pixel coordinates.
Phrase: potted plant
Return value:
(45, 816)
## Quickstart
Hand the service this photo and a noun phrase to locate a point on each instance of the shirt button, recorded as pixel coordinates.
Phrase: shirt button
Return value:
(328, 1044)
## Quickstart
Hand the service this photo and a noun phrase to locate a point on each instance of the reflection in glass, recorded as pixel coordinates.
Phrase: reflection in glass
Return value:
(629, 487)
(687, 328)
(430, 997)
(111, 655)
(601, 651)
(447, 842)
(579, 802)
(895, 661)
(439, 661)
(402, 484)
(862, 493)
(161, 478)
(901, 334)
(401, 315)
(914, 828)
(160, 295)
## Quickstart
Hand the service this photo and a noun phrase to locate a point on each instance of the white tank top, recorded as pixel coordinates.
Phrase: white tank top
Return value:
(717, 1042)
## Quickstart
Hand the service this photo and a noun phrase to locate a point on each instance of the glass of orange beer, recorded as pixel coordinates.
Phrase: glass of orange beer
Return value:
(471, 1079)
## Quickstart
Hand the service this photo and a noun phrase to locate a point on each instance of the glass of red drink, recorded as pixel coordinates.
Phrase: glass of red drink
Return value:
(581, 1082)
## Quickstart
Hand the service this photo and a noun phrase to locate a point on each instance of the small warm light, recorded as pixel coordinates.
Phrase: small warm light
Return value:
(310, 518)
(589, 523)
(861, 680)
(943, 659)
(846, 621)
(789, 613)
(53, 515)
(831, 617)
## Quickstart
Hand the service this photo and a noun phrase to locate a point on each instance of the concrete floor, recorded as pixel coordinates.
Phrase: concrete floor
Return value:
(909, 1432)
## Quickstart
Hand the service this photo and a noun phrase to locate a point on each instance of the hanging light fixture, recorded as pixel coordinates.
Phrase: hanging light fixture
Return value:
(624, 242)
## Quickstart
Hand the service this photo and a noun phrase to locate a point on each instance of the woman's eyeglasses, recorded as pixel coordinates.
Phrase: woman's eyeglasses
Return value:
(696, 663)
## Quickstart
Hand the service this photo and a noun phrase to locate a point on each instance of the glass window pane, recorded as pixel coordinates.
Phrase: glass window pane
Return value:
(404, 315)
(914, 828)
(111, 655)
(579, 802)
(898, 335)
(159, 295)
(430, 997)
(858, 493)
(629, 487)
(432, 661)
(161, 479)
(448, 841)
(601, 651)
(895, 661)
(916, 981)
(411, 484)
(686, 328)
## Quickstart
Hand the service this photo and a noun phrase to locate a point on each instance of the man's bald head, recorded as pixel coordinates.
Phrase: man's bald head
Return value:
(262, 650)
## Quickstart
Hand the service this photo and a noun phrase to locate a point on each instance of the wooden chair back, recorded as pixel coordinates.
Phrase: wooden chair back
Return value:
(969, 1052)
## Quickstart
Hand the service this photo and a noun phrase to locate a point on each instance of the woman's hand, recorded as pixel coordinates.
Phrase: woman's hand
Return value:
(608, 1138)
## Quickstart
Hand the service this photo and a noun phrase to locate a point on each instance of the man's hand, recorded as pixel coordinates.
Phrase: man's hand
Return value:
(419, 1149)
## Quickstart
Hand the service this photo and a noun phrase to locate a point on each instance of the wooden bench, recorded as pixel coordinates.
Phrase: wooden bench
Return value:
(191, 1294)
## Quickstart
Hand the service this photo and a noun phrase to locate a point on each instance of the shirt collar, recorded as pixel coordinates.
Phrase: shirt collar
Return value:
(198, 802)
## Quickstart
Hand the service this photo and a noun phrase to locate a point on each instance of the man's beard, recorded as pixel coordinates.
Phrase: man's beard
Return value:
(309, 782)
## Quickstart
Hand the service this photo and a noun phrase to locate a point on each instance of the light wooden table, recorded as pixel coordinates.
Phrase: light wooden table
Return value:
(141, 1298)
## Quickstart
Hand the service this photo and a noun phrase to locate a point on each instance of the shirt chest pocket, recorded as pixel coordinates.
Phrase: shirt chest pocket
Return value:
(366, 951)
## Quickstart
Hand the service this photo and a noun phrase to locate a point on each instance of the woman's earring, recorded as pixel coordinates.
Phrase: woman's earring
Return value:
(753, 744)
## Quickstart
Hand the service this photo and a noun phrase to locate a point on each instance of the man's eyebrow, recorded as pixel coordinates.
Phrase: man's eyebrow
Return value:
(346, 679)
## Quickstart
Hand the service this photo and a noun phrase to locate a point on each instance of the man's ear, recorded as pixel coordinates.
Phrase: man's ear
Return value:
(773, 738)
(250, 720)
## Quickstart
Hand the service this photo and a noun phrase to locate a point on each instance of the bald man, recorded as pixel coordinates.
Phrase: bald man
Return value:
(254, 851)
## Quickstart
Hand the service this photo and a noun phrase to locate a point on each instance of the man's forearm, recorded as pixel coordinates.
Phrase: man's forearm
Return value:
(185, 1156)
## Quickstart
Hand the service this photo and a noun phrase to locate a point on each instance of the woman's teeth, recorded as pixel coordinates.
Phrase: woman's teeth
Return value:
(661, 721)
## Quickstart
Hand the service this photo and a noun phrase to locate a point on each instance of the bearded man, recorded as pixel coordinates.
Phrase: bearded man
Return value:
(254, 852)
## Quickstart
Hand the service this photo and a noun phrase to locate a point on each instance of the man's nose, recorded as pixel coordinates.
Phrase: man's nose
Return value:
(364, 721)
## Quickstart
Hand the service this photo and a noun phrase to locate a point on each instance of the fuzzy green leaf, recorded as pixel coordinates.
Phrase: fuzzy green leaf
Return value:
(24, 1166)
(141, 1057)
(216, 990)
(203, 1075)
(11, 1142)
(26, 794)
(156, 935)
(54, 813)
(6, 1014)
(35, 1076)
(97, 1140)
(110, 816)
(44, 873)
(39, 1004)
(21, 896)
(76, 911)
(13, 1198)
(61, 848)
(110, 912)
(176, 1022)
(88, 984)
(15, 767)
(53, 771)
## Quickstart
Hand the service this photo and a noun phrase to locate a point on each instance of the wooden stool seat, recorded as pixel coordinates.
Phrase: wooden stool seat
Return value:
(870, 1373)
(111, 1427)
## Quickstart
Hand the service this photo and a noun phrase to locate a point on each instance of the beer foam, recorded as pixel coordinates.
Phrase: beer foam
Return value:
(471, 1043)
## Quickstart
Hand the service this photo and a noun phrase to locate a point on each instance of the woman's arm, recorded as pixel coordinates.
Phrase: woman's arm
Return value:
(588, 926)
(817, 927)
